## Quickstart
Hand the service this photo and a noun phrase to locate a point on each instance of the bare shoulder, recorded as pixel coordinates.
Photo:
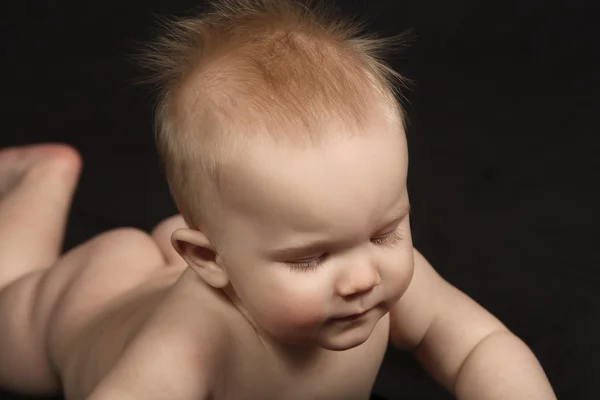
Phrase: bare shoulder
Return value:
(412, 315)
(432, 311)
(178, 353)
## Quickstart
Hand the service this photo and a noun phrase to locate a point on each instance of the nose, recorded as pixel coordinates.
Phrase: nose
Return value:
(358, 279)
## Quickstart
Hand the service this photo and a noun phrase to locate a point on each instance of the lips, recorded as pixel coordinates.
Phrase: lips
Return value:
(352, 317)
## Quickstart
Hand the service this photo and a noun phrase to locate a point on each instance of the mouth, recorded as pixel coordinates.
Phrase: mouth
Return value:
(352, 317)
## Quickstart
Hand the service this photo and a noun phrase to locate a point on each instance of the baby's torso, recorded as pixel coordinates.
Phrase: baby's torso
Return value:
(251, 372)
(257, 373)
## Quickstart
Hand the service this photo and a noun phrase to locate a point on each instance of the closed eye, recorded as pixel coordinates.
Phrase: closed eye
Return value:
(388, 240)
(310, 264)
(304, 265)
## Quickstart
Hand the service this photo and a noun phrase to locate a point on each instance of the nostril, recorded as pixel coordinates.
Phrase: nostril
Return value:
(359, 280)
(357, 294)
(378, 280)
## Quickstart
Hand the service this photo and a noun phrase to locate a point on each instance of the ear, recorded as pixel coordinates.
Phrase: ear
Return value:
(195, 248)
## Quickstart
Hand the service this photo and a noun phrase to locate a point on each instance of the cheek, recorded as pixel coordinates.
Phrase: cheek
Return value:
(294, 299)
(280, 297)
(294, 311)
(399, 272)
(297, 298)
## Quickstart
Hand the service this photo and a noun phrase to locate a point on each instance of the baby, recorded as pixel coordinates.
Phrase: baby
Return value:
(291, 267)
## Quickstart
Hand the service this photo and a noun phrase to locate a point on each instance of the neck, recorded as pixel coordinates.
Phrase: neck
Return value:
(294, 355)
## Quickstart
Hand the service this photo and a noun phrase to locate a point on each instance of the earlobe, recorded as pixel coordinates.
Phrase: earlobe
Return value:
(195, 248)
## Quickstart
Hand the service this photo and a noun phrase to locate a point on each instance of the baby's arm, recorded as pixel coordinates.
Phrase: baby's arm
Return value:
(461, 345)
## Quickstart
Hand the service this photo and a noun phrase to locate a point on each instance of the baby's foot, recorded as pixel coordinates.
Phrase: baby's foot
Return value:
(36, 187)
(36, 162)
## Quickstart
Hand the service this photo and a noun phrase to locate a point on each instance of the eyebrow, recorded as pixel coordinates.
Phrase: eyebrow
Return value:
(319, 246)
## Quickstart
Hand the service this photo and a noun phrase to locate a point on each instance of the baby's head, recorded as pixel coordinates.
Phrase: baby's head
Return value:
(284, 149)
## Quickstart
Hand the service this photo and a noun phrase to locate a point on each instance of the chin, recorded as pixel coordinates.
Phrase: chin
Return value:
(344, 340)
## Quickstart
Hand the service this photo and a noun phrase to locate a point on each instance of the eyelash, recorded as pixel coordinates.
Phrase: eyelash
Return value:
(306, 266)
(389, 240)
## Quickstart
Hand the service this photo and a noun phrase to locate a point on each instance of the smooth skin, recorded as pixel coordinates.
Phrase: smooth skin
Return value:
(293, 291)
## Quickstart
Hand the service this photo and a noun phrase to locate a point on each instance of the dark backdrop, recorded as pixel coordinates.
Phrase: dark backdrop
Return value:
(502, 137)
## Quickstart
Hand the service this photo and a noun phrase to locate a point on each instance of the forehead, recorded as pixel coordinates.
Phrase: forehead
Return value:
(342, 184)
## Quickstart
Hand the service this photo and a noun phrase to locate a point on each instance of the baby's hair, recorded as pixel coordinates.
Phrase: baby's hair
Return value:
(282, 70)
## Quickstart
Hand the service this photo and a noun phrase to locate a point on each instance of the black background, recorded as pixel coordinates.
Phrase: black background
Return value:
(502, 139)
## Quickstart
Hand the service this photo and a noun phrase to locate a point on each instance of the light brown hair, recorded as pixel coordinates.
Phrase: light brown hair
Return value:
(246, 69)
